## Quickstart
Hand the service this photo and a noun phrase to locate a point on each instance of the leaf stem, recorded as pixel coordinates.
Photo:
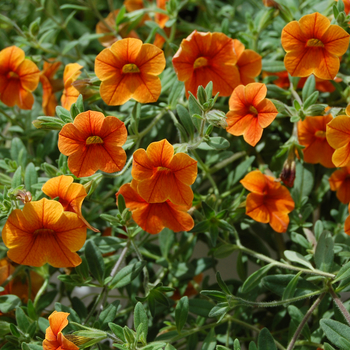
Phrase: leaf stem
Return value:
(340, 305)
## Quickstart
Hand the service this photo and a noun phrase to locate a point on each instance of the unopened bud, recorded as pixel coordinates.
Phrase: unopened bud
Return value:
(24, 196)
(201, 95)
(217, 118)
(289, 169)
(82, 85)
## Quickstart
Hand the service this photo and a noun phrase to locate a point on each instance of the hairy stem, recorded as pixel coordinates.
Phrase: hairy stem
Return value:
(340, 305)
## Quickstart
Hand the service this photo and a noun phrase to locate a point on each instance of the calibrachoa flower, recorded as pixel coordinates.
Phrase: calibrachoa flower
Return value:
(338, 137)
(54, 339)
(93, 142)
(161, 19)
(49, 87)
(153, 217)
(250, 112)
(44, 233)
(313, 45)
(19, 77)
(70, 93)
(205, 57)
(340, 182)
(130, 69)
(347, 223)
(71, 195)
(312, 135)
(161, 175)
(270, 202)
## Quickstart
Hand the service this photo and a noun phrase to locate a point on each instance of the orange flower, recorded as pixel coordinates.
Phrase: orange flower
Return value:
(313, 45)
(340, 182)
(70, 93)
(19, 284)
(338, 137)
(71, 195)
(347, 223)
(130, 69)
(44, 233)
(46, 78)
(93, 142)
(19, 77)
(250, 112)
(205, 57)
(161, 175)
(312, 135)
(153, 217)
(161, 19)
(249, 63)
(269, 202)
(190, 289)
(108, 39)
(54, 339)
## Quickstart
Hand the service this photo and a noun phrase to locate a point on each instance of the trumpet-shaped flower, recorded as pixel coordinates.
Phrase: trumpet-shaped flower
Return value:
(313, 45)
(205, 57)
(340, 182)
(44, 233)
(161, 175)
(153, 217)
(270, 202)
(70, 93)
(250, 112)
(71, 195)
(130, 69)
(312, 135)
(19, 77)
(93, 142)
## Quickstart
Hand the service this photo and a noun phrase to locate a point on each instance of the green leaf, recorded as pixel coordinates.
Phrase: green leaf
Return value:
(121, 204)
(218, 143)
(9, 302)
(109, 314)
(200, 307)
(209, 342)
(236, 345)
(22, 320)
(252, 346)
(181, 313)
(64, 114)
(117, 330)
(30, 177)
(241, 169)
(222, 284)
(17, 178)
(311, 100)
(309, 87)
(324, 254)
(140, 317)
(338, 333)
(175, 93)
(297, 316)
(166, 241)
(328, 347)
(343, 273)
(304, 182)
(291, 287)
(273, 66)
(95, 261)
(185, 119)
(127, 274)
(254, 279)
(266, 341)
(298, 258)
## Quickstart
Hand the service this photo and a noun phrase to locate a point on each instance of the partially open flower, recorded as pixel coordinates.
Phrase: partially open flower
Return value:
(340, 182)
(70, 93)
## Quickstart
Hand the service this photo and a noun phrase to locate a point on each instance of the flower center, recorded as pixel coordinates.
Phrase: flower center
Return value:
(314, 43)
(253, 110)
(12, 75)
(93, 140)
(130, 68)
(161, 168)
(320, 133)
(44, 231)
(200, 62)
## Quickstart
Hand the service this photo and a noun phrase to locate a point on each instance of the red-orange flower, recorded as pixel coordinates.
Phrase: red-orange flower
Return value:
(338, 137)
(205, 57)
(347, 223)
(44, 233)
(130, 69)
(49, 87)
(153, 217)
(71, 195)
(312, 135)
(19, 77)
(93, 142)
(340, 182)
(270, 202)
(250, 112)
(70, 93)
(313, 45)
(161, 175)
(54, 339)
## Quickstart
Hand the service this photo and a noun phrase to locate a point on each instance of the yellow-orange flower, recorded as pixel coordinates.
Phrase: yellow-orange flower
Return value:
(340, 182)
(161, 175)
(70, 93)
(312, 135)
(19, 77)
(70, 195)
(313, 45)
(44, 233)
(205, 57)
(93, 142)
(250, 112)
(270, 202)
(130, 69)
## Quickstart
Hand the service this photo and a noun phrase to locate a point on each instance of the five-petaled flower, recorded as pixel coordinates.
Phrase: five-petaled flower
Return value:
(250, 112)
(270, 202)
(93, 142)
(70, 195)
(130, 69)
(70, 93)
(313, 45)
(312, 135)
(54, 339)
(205, 57)
(44, 233)
(340, 181)
(153, 217)
(161, 175)
(19, 77)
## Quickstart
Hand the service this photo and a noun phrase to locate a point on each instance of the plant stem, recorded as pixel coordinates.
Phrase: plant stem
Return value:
(304, 320)
(226, 162)
(40, 292)
(340, 305)
(145, 271)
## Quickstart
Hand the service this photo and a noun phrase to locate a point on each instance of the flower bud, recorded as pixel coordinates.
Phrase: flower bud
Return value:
(289, 169)
(217, 118)
(24, 196)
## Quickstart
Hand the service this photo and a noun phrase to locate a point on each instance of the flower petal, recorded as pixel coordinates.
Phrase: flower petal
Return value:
(292, 37)
(328, 67)
(10, 58)
(336, 40)
(253, 133)
(338, 131)
(184, 168)
(70, 140)
(256, 209)
(160, 153)
(142, 166)
(255, 182)
(150, 59)
(314, 25)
